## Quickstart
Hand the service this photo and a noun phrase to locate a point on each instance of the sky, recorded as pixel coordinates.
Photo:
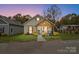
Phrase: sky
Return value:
(34, 9)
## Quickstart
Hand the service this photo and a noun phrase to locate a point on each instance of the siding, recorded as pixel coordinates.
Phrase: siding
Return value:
(6, 28)
(16, 29)
(32, 23)
(25, 29)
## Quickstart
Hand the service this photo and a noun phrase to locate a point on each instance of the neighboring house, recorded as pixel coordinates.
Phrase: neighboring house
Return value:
(69, 28)
(10, 27)
(38, 23)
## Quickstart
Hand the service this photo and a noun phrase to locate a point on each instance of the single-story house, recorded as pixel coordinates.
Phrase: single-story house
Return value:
(38, 24)
(10, 27)
(69, 28)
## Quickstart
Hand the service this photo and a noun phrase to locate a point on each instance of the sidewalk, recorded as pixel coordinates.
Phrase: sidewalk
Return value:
(40, 38)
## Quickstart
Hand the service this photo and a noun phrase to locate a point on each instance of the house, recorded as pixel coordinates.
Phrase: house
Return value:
(70, 28)
(10, 27)
(38, 24)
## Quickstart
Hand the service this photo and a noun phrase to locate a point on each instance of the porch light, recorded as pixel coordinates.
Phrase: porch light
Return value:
(38, 19)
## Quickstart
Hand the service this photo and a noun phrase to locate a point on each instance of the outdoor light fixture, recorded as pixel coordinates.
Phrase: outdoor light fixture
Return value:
(38, 19)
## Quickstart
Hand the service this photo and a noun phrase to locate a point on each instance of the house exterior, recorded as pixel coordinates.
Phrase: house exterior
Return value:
(10, 27)
(70, 28)
(38, 24)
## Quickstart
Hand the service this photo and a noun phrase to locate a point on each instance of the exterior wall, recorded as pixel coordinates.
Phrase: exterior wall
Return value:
(16, 29)
(25, 29)
(30, 23)
(6, 28)
(43, 25)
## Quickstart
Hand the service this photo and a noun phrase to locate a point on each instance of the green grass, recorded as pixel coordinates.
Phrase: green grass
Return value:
(18, 38)
(63, 36)
(69, 36)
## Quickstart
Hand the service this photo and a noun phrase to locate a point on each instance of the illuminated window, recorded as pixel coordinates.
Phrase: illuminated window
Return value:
(30, 29)
(45, 29)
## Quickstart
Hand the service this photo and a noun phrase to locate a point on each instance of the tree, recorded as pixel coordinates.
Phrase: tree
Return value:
(9, 17)
(70, 19)
(52, 13)
(18, 17)
(21, 18)
(26, 18)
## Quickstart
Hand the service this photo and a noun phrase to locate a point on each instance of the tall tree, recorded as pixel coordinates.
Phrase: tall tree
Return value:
(53, 13)
(26, 18)
(70, 19)
(18, 17)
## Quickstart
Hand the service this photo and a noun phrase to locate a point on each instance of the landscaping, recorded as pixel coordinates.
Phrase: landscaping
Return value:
(62, 36)
(18, 38)
(27, 38)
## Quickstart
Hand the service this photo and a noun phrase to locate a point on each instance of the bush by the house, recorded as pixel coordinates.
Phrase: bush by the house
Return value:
(56, 33)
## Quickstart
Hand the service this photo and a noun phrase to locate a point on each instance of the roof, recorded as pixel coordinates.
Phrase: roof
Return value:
(43, 19)
(50, 21)
(10, 21)
(34, 18)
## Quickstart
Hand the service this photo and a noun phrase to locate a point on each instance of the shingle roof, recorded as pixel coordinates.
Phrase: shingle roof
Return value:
(34, 18)
(51, 22)
(10, 21)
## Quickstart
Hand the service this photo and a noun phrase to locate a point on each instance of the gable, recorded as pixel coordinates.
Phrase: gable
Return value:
(2, 22)
(34, 21)
(45, 23)
(31, 22)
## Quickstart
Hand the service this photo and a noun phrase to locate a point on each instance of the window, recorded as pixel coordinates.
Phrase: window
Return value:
(45, 29)
(3, 29)
(30, 29)
(11, 30)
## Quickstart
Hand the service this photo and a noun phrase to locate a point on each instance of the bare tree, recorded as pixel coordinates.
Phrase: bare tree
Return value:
(53, 13)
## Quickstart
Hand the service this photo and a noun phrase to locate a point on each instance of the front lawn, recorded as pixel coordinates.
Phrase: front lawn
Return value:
(69, 36)
(18, 38)
(62, 36)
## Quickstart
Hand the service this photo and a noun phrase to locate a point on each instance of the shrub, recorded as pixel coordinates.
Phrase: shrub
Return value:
(35, 33)
(44, 33)
(56, 33)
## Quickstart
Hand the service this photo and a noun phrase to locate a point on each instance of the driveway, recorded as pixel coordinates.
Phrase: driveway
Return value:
(43, 47)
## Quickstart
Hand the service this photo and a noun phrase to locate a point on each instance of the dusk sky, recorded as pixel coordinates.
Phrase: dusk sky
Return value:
(24, 9)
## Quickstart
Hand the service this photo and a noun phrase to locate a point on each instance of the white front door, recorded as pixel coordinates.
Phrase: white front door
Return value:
(30, 29)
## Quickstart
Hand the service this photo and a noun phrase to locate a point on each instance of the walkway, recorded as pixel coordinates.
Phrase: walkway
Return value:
(40, 38)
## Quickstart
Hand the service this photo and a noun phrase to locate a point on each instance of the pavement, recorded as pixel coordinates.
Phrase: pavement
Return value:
(40, 38)
(41, 47)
